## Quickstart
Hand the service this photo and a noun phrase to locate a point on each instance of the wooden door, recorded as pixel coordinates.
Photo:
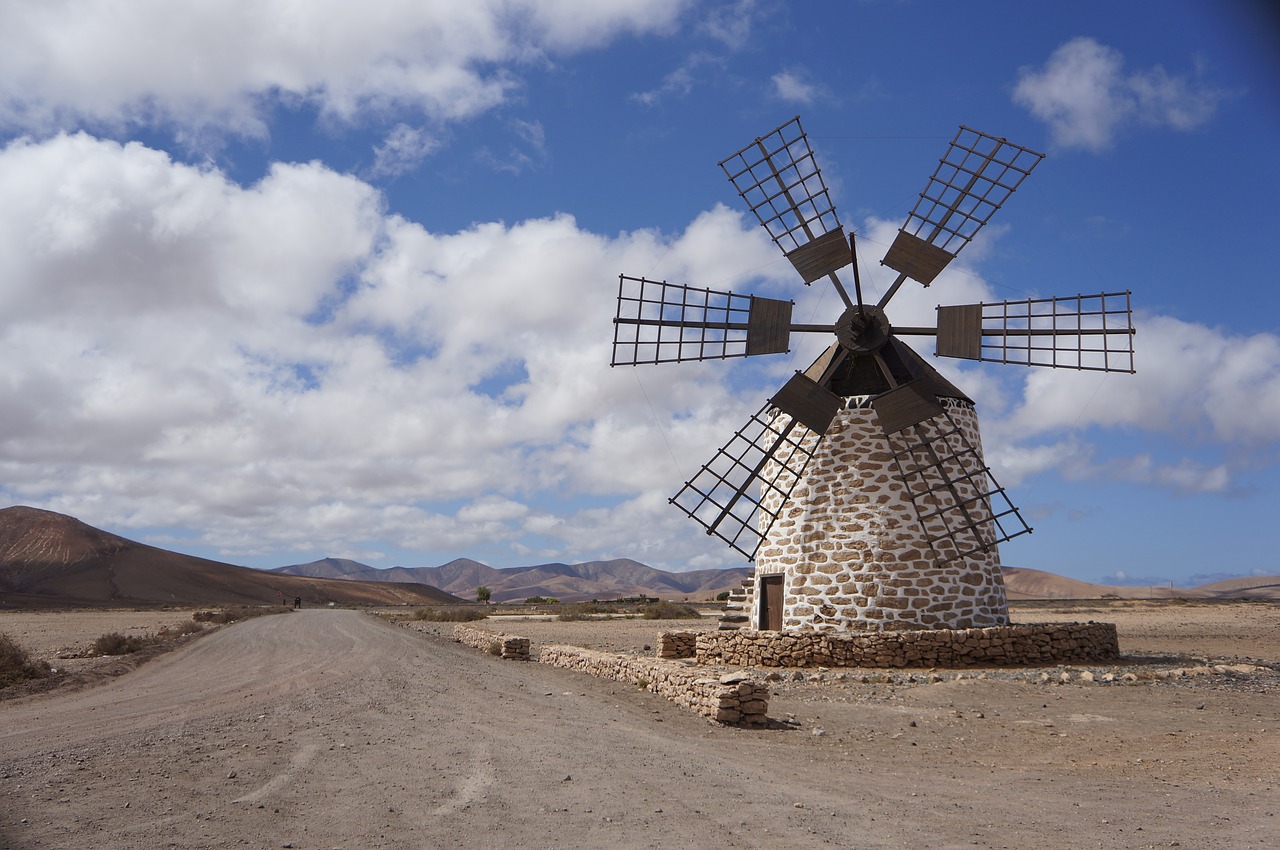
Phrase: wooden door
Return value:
(771, 603)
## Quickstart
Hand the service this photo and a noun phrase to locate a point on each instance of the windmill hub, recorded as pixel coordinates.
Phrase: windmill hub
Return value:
(863, 329)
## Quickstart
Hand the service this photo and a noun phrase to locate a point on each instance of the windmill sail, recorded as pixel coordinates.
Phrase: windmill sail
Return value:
(1085, 332)
(779, 179)
(974, 178)
(660, 322)
(739, 493)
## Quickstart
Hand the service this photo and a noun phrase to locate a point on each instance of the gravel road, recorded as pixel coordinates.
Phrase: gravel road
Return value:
(334, 729)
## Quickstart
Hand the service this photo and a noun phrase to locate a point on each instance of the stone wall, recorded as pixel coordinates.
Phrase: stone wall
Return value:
(677, 644)
(995, 646)
(512, 647)
(851, 548)
(731, 698)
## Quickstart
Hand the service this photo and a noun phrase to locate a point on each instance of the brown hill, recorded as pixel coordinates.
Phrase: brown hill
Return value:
(51, 560)
(567, 582)
(1256, 587)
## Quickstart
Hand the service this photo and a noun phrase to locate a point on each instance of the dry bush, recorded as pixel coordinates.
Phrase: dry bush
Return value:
(449, 615)
(17, 665)
(669, 611)
(187, 627)
(114, 643)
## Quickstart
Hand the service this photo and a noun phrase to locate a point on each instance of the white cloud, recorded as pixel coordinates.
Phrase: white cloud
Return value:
(681, 81)
(1087, 98)
(1191, 379)
(402, 151)
(793, 86)
(732, 23)
(207, 64)
(531, 153)
(286, 366)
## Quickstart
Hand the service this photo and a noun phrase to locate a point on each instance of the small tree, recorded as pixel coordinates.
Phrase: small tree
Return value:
(482, 594)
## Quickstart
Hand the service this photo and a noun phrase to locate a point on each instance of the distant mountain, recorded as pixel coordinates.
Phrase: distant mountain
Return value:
(48, 559)
(624, 577)
(566, 582)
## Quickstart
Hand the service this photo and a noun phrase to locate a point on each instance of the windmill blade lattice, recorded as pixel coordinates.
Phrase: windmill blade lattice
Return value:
(1086, 332)
(759, 466)
(973, 179)
(660, 322)
(779, 179)
(961, 508)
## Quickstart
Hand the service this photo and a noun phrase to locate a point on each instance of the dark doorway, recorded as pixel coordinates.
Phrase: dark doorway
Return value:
(771, 603)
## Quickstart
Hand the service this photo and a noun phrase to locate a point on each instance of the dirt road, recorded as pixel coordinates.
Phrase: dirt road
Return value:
(333, 729)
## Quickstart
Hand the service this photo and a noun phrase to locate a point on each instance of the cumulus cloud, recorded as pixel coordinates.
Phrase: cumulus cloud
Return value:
(1191, 379)
(221, 64)
(1087, 98)
(287, 366)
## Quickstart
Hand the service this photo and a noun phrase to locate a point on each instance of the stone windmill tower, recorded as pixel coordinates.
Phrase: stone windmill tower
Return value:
(860, 488)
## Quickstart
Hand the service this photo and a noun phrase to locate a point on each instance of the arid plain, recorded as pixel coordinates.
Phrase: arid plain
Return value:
(338, 728)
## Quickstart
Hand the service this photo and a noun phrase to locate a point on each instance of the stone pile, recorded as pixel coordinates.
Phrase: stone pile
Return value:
(512, 647)
(731, 698)
(677, 644)
(1020, 645)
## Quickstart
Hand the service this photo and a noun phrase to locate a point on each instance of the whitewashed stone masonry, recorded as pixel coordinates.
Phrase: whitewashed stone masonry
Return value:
(851, 549)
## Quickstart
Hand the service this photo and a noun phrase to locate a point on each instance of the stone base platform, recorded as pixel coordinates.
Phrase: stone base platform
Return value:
(1025, 645)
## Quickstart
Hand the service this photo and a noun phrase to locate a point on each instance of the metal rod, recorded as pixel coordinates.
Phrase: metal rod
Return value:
(914, 331)
(844, 296)
(857, 278)
(892, 289)
(726, 326)
(673, 323)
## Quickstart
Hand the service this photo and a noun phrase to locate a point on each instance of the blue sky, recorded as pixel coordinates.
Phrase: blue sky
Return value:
(283, 281)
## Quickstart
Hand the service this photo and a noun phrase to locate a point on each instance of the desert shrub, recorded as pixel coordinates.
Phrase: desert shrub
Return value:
(722, 596)
(581, 611)
(234, 613)
(17, 665)
(114, 643)
(188, 627)
(494, 647)
(541, 600)
(669, 611)
(449, 615)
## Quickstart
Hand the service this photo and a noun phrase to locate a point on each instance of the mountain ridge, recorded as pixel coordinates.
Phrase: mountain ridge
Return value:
(48, 559)
(602, 579)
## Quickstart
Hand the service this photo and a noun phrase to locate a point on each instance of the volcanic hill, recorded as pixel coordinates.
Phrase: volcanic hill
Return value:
(49, 560)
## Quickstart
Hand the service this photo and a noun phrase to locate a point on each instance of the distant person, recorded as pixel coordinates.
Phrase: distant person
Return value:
(297, 602)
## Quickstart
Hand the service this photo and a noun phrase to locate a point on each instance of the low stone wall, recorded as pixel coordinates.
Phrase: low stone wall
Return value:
(731, 698)
(995, 646)
(677, 644)
(514, 647)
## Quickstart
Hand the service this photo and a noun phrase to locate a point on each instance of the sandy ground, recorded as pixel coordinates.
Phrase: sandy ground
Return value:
(324, 729)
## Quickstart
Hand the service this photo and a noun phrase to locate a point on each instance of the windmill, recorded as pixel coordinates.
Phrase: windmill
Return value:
(859, 488)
